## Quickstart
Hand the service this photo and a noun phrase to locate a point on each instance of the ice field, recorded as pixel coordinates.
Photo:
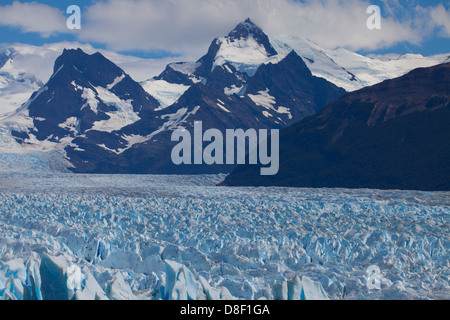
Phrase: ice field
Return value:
(65, 236)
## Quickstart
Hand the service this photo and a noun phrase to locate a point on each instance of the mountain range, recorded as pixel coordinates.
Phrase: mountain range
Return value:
(107, 123)
(104, 121)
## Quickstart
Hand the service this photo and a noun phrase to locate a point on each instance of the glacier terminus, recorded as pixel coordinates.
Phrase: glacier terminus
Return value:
(67, 236)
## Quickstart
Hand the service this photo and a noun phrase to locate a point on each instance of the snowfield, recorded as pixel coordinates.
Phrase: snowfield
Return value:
(65, 236)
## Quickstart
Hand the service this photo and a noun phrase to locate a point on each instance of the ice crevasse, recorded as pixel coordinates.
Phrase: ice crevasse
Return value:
(42, 277)
(169, 238)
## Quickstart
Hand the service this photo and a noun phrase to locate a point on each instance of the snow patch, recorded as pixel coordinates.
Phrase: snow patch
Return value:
(265, 100)
(123, 117)
(246, 55)
(166, 93)
(72, 124)
(188, 68)
(115, 82)
(221, 105)
(91, 99)
(233, 90)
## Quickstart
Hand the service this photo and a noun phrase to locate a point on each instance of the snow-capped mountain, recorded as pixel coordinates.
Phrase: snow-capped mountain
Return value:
(244, 67)
(86, 98)
(350, 70)
(240, 83)
(25, 68)
(240, 54)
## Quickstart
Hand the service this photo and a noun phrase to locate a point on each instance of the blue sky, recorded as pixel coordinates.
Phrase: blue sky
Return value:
(154, 29)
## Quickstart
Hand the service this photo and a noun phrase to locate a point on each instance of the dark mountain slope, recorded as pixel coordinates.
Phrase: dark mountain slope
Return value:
(395, 135)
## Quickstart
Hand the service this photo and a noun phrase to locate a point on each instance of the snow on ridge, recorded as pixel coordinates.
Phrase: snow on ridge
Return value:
(39, 60)
(187, 68)
(16, 86)
(131, 141)
(348, 69)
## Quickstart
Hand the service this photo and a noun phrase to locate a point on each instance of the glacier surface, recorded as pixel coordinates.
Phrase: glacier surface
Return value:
(126, 237)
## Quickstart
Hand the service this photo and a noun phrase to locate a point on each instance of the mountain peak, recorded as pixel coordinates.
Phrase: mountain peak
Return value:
(77, 61)
(247, 29)
(69, 57)
(68, 53)
(244, 29)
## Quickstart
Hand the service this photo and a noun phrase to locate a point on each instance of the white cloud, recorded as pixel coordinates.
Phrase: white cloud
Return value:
(33, 17)
(334, 23)
(188, 26)
(441, 19)
(179, 26)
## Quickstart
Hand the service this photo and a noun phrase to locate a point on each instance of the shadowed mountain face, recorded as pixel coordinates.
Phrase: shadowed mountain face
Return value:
(107, 123)
(87, 89)
(395, 135)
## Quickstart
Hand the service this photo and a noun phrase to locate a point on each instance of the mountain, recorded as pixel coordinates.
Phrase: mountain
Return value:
(86, 99)
(276, 96)
(25, 69)
(107, 123)
(240, 83)
(228, 64)
(394, 135)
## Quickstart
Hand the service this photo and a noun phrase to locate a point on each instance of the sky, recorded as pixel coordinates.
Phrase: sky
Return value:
(185, 28)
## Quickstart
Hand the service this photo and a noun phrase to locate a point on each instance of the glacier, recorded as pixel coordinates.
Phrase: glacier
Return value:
(129, 237)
